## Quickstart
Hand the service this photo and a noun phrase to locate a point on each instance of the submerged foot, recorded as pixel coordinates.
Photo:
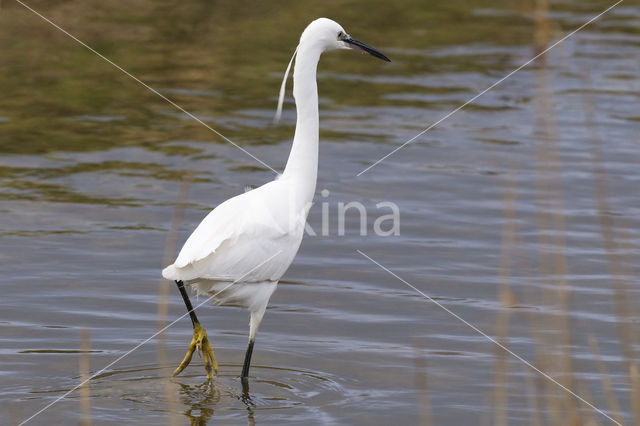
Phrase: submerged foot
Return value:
(201, 344)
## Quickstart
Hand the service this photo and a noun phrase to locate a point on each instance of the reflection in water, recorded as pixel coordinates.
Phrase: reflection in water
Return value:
(246, 399)
(202, 399)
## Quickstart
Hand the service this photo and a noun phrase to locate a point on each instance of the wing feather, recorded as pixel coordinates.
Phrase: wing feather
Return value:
(248, 237)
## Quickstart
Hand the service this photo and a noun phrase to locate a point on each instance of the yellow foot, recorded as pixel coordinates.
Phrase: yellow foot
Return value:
(200, 343)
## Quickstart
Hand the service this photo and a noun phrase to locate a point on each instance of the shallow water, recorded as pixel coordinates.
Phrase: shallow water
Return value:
(519, 213)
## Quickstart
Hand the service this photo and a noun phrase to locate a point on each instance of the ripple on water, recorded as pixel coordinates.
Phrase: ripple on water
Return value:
(297, 394)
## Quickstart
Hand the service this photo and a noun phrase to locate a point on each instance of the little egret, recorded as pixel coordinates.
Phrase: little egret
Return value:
(241, 249)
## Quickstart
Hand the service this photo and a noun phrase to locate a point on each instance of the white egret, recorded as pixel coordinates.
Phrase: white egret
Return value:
(241, 249)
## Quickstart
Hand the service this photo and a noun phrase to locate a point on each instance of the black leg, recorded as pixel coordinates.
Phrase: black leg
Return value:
(247, 361)
(246, 397)
(200, 342)
(187, 302)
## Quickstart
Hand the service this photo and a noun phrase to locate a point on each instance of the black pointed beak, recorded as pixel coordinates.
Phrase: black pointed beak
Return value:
(358, 45)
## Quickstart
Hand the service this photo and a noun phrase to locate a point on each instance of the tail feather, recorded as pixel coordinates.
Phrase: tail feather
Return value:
(170, 273)
(254, 296)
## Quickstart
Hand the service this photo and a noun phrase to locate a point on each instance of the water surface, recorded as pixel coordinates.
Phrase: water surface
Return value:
(519, 213)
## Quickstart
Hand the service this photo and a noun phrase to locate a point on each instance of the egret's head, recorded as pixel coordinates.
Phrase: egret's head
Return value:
(329, 35)
(321, 35)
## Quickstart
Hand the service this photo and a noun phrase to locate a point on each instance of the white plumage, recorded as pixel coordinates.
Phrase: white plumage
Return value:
(244, 246)
(249, 240)
(235, 238)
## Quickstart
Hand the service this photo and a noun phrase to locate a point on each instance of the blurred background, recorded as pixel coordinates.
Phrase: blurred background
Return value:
(519, 213)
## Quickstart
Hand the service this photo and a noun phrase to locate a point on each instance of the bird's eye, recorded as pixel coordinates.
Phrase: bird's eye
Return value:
(340, 35)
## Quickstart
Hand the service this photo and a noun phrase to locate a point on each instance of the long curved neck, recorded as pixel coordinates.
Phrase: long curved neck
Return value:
(302, 165)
